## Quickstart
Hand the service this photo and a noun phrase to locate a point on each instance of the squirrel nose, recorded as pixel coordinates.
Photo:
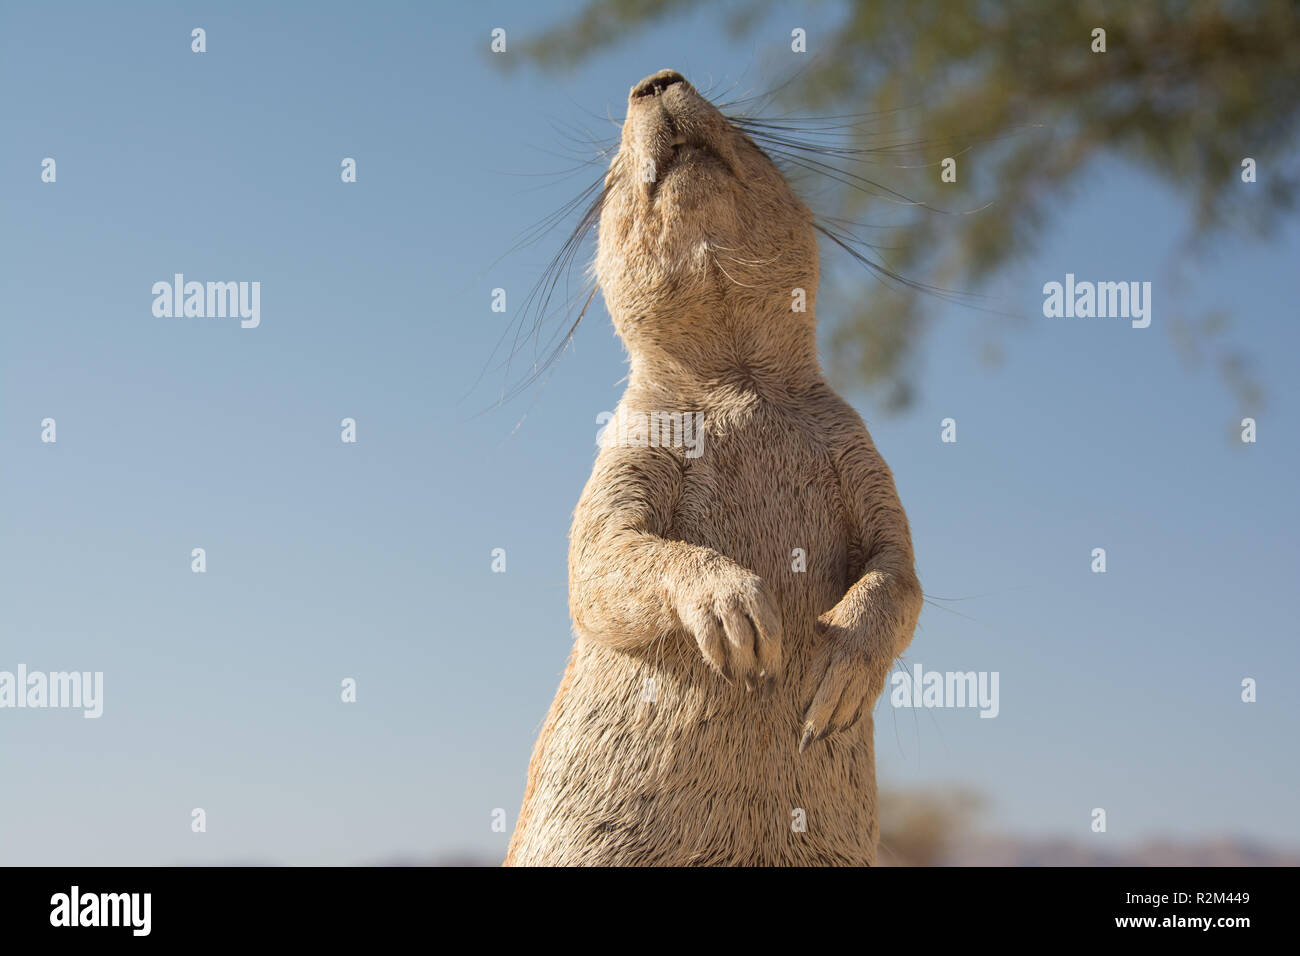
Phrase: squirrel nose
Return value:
(656, 83)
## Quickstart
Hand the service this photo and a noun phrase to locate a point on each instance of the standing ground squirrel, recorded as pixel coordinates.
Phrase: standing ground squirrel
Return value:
(738, 608)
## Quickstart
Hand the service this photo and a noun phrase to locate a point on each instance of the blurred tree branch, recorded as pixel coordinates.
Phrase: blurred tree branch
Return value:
(1185, 90)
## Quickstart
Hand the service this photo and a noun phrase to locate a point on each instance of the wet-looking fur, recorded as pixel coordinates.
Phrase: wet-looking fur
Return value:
(716, 707)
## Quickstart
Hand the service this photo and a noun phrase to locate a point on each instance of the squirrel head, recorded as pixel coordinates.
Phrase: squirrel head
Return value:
(706, 257)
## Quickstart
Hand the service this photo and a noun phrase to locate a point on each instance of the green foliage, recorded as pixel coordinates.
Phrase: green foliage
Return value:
(1014, 91)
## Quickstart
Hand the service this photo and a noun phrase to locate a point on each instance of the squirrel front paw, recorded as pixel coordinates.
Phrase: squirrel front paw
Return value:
(736, 625)
(848, 677)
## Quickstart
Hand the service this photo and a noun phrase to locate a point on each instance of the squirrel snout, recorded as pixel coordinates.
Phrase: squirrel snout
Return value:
(656, 83)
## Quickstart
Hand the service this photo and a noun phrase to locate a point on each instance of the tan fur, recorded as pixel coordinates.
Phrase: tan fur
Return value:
(680, 569)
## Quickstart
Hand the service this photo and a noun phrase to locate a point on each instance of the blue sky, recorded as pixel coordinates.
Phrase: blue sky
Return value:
(372, 560)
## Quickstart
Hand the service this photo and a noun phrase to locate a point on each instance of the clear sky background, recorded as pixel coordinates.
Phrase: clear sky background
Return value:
(372, 561)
